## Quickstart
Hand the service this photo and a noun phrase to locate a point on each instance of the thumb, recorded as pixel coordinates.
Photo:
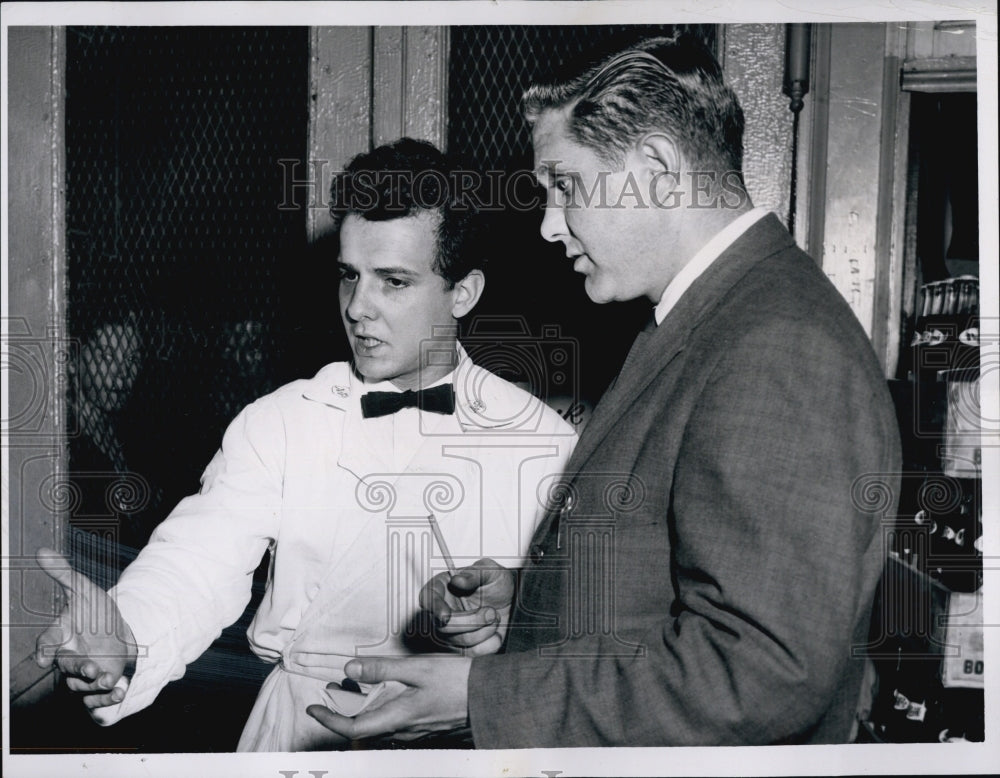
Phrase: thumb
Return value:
(59, 569)
(378, 669)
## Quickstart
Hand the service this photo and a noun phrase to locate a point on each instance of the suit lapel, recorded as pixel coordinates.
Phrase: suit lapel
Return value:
(650, 354)
(653, 351)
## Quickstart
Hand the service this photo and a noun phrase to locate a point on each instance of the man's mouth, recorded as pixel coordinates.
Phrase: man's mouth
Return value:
(366, 342)
(580, 262)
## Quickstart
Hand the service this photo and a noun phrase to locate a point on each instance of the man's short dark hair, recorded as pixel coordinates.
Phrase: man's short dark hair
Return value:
(673, 85)
(406, 178)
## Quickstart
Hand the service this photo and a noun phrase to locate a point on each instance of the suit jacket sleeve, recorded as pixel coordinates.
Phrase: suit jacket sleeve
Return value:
(773, 566)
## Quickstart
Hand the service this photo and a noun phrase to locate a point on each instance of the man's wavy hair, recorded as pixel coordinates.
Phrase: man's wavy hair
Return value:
(406, 178)
(671, 85)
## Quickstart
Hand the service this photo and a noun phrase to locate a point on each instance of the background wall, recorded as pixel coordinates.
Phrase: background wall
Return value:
(753, 57)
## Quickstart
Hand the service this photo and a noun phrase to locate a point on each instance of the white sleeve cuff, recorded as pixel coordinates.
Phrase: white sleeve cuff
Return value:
(157, 661)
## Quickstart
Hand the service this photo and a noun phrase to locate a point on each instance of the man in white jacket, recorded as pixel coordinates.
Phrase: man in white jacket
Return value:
(337, 476)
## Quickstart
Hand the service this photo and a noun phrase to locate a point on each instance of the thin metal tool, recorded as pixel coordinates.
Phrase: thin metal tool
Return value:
(448, 560)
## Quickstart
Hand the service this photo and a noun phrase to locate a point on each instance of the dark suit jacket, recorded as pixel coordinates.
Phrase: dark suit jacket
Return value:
(719, 544)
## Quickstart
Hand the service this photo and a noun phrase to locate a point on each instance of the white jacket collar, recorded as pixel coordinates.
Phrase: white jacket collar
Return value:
(482, 399)
(338, 386)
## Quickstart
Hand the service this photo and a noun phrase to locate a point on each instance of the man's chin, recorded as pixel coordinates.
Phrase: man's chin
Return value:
(595, 292)
(369, 370)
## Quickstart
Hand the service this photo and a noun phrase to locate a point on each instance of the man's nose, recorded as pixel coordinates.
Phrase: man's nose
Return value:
(359, 304)
(554, 223)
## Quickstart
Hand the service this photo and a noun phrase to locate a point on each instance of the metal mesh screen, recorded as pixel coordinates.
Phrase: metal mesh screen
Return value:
(177, 250)
(185, 283)
(490, 67)
(528, 279)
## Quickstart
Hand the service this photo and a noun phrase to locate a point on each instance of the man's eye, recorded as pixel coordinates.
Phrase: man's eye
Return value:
(564, 185)
(396, 283)
(348, 275)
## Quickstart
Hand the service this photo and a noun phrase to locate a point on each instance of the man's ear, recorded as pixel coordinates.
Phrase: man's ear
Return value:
(659, 152)
(661, 160)
(467, 293)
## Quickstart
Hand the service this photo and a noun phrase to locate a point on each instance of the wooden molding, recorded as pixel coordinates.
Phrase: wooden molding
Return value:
(939, 74)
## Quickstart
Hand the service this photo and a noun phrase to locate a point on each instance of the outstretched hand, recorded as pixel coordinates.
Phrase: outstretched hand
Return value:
(436, 700)
(471, 608)
(90, 641)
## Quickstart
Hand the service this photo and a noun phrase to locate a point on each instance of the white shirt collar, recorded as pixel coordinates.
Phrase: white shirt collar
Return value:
(702, 260)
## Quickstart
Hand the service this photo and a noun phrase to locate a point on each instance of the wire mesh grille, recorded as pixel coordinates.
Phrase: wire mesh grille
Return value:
(529, 280)
(490, 67)
(177, 249)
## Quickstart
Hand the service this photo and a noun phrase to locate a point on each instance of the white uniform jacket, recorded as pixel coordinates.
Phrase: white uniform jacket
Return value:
(342, 502)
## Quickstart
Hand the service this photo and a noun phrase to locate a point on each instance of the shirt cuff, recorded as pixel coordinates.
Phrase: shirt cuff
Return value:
(157, 662)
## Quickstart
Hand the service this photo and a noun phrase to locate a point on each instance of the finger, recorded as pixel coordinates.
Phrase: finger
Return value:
(464, 583)
(490, 578)
(83, 685)
(60, 570)
(341, 725)
(78, 665)
(48, 644)
(382, 721)
(433, 598)
(104, 682)
(113, 697)
(468, 579)
(44, 656)
(484, 571)
(489, 646)
(470, 621)
(470, 639)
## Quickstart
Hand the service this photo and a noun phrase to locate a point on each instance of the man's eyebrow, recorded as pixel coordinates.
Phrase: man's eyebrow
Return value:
(394, 271)
(382, 272)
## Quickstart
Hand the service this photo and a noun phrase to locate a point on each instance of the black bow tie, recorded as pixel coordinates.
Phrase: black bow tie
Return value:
(437, 399)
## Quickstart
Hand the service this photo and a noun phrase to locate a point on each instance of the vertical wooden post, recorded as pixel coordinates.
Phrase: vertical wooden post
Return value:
(856, 109)
(369, 86)
(410, 80)
(753, 57)
(34, 339)
(891, 237)
(340, 94)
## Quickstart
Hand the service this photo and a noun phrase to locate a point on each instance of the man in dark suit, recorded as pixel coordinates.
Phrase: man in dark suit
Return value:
(705, 574)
